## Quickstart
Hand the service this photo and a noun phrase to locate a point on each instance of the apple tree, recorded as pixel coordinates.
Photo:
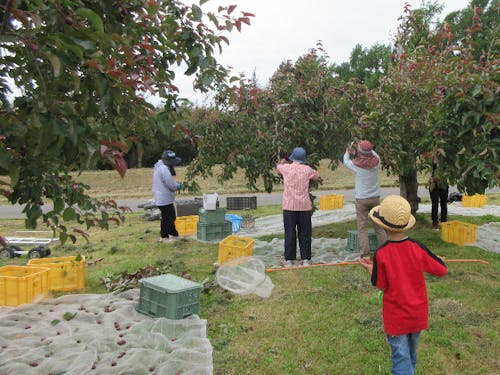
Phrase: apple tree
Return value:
(73, 79)
(466, 132)
(252, 128)
(437, 99)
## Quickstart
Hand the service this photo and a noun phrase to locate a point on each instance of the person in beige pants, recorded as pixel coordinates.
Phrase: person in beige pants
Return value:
(365, 165)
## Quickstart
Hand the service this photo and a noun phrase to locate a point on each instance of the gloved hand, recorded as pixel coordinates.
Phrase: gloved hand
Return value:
(180, 186)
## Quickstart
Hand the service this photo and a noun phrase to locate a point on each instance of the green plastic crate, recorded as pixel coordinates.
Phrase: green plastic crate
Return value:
(353, 241)
(169, 296)
(217, 216)
(214, 232)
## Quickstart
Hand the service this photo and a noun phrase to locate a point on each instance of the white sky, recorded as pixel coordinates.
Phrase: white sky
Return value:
(288, 29)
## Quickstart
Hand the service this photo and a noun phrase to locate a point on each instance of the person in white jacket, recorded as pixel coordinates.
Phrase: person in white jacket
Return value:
(164, 188)
(366, 191)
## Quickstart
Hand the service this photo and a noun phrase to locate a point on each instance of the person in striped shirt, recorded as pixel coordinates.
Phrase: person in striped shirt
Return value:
(296, 205)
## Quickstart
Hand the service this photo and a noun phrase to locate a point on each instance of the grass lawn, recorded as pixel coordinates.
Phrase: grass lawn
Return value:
(324, 320)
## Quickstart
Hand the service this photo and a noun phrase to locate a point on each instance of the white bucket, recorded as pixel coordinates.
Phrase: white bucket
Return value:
(210, 201)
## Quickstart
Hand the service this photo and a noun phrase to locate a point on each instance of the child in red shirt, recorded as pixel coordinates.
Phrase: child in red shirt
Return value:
(398, 269)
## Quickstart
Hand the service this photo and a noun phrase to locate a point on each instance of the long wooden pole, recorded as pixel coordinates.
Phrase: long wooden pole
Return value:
(350, 263)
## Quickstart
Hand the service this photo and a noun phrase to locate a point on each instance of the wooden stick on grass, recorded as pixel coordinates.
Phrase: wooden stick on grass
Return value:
(357, 263)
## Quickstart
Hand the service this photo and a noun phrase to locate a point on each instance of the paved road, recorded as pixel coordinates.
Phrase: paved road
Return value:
(263, 199)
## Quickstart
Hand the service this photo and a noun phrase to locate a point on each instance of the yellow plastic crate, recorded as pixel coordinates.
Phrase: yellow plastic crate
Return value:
(331, 202)
(21, 284)
(187, 225)
(65, 273)
(458, 232)
(234, 246)
(476, 200)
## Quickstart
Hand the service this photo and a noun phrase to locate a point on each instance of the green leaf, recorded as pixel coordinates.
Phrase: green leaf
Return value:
(4, 159)
(68, 316)
(63, 237)
(92, 17)
(476, 91)
(58, 204)
(55, 62)
(13, 174)
(69, 214)
(9, 38)
(192, 69)
(197, 12)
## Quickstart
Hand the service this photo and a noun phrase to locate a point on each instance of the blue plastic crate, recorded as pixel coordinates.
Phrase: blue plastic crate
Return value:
(235, 221)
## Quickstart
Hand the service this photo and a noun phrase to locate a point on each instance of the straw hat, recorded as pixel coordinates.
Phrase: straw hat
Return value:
(393, 214)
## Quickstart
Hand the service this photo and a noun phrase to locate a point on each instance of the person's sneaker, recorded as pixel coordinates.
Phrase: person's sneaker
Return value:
(306, 262)
(435, 226)
(288, 263)
(167, 239)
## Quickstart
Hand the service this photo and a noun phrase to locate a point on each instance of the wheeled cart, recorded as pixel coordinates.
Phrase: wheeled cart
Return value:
(40, 247)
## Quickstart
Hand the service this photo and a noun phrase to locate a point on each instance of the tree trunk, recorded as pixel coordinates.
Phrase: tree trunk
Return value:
(408, 187)
(134, 156)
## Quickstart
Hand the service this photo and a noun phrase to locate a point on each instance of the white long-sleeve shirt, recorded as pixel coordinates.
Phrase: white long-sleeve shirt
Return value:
(164, 185)
(366, 182)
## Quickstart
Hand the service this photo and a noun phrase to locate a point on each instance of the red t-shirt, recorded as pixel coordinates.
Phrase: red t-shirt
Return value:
(398, 269)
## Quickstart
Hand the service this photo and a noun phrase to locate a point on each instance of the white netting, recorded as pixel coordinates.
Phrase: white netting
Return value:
(324, 251)
(100, 334)
(488, 237)
(245, 275)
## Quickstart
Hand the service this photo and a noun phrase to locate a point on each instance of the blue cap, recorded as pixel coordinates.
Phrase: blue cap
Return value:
(298, 155)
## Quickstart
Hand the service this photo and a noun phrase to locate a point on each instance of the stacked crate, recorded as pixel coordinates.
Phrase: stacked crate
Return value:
(476, 200)
(241, 203)
(186, 225)
(188, 207)
(65, 273)
(458, 232)
(22, 284)
(353, 240)
(212, 225)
